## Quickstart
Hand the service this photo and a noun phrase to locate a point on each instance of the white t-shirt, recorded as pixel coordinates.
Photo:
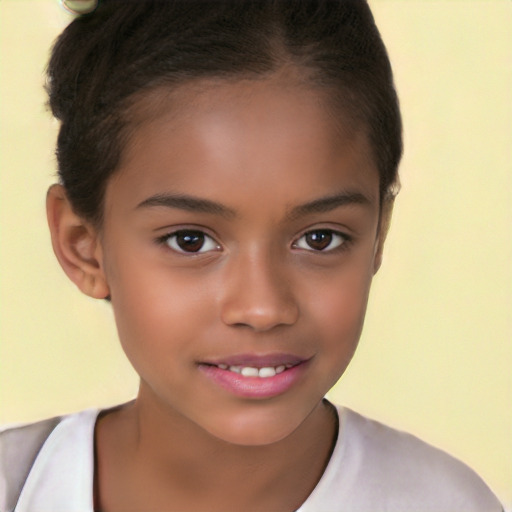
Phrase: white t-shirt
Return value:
(373, 468)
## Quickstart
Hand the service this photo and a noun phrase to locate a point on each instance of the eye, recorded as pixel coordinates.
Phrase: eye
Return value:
(190, 241)
(321, 240)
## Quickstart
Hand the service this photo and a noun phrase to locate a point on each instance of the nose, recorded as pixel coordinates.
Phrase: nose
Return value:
(258, 294)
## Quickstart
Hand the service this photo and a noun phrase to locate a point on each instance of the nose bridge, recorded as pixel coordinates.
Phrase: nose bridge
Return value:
(258, 291)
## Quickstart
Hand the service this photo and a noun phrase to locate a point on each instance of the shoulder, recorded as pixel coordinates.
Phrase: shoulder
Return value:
(415, 469)
(375, 467)
(21, 445)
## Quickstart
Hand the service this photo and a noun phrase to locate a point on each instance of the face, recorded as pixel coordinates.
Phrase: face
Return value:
(239, 244)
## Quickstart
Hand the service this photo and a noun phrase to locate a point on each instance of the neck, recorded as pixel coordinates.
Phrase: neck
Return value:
(168, 451)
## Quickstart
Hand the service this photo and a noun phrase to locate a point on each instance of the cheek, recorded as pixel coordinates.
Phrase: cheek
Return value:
(339, 309)
(158, 313)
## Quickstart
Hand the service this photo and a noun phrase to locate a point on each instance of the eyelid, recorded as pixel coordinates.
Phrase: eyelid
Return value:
(345, 240)
(164, 240)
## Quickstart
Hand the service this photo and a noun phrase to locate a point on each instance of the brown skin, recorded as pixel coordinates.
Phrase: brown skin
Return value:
(136, 474)
(261, 149)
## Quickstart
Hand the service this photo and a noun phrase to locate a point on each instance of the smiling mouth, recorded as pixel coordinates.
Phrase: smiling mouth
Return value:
(263, 372)
(256, 377)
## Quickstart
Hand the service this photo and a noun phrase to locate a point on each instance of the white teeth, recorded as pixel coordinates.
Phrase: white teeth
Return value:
(267, 372)
(250, 371)
(247, 371)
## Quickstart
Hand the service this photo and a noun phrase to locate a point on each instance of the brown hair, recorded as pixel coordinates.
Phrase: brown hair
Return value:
(105, 58)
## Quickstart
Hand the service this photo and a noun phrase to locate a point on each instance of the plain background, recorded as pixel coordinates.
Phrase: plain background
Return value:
(436, 353)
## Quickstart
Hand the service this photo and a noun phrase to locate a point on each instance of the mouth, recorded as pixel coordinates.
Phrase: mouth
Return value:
(252, 376)
(264, 372)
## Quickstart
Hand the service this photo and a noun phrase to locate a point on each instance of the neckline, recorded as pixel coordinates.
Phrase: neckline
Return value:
(318, 490)
(64, 452)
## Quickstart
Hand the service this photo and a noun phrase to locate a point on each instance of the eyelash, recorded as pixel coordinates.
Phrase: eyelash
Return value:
(171, 240)
(342, 240)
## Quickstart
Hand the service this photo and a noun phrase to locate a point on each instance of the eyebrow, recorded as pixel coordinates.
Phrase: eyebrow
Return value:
(329, 203)
(187, 203)
(196, 204)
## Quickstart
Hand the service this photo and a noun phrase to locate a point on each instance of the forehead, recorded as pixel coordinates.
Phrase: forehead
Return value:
(230, 138)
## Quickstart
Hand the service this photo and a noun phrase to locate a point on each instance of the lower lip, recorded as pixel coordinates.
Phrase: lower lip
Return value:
(254, 387)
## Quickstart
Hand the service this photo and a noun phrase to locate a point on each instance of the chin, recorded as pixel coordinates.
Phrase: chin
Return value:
(257, 430)
(252, 437)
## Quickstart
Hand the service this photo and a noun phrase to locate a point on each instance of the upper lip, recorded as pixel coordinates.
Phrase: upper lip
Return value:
(258, 361)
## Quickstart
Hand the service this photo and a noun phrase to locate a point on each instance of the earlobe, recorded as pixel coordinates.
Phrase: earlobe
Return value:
(76, 245)
(384, 223)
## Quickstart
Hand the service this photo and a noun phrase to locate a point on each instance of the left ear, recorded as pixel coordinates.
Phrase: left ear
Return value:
(384, 223)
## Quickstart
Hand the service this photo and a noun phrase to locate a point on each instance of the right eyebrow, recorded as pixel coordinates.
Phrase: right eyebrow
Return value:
(187, 203)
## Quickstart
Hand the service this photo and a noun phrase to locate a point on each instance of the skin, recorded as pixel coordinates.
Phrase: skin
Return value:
(268, 153)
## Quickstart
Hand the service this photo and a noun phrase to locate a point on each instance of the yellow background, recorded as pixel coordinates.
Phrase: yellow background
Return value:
(436, 353)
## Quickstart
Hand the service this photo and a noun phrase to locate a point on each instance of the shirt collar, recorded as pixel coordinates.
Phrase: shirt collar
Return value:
(63, 472)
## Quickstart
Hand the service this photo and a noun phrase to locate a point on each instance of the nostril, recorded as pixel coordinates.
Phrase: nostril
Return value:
(258, 293)
(260, 319)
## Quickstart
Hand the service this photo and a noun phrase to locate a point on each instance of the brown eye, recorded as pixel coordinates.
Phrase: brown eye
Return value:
(191, 241)
(320, 240)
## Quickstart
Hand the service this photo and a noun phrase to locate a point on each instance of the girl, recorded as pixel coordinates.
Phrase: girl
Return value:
(227, 173)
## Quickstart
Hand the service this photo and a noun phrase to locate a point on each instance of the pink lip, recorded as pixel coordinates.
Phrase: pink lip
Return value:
(256, 387)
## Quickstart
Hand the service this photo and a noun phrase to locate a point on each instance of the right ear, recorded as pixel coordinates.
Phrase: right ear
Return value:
(76, 244)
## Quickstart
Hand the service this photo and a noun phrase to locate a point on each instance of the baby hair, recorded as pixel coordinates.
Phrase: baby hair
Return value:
(107, 59)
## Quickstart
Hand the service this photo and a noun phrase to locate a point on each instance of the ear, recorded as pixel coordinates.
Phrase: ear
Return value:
(384, 223)
(76, 244)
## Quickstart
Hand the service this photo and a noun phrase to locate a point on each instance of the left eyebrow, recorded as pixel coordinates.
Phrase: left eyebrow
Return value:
(329, 203)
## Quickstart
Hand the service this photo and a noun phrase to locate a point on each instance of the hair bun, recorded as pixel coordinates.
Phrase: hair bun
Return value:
(79, 7)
